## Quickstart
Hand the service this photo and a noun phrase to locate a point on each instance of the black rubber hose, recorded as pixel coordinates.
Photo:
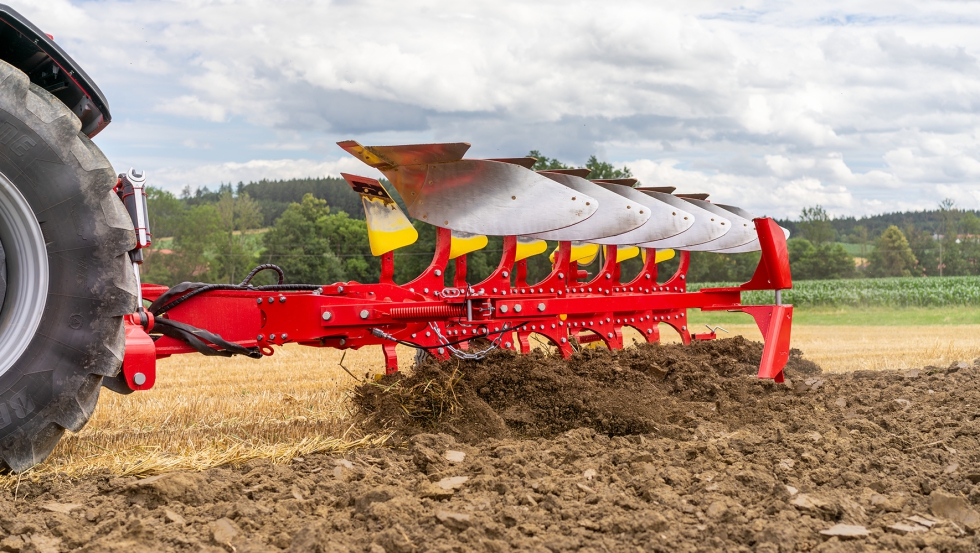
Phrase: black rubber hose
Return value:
(195, 337)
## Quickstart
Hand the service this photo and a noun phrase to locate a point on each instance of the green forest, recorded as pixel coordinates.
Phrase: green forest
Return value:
(313, 228)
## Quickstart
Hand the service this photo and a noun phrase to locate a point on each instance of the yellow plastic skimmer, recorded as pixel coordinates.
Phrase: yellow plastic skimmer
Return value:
(463, 243)
(388, 228)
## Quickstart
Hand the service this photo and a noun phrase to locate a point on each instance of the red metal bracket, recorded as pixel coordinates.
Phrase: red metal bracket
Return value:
(140, 360)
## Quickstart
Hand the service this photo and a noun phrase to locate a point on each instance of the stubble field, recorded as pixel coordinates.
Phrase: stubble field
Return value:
(295, 468)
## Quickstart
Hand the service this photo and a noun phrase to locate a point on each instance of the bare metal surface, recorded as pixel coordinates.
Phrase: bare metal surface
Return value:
(478, 196)
(615, 215)
(702, 230)
(665, 220)
(741, 234)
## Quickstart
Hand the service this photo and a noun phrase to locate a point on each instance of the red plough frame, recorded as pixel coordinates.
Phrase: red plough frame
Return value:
(504, 309)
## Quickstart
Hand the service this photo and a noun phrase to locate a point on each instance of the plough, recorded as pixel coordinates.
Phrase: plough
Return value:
(73, 319)
(467, 200)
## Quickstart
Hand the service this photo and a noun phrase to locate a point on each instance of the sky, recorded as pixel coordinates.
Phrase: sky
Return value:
(861, 107)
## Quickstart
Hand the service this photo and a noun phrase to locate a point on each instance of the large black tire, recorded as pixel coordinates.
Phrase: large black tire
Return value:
(53, 385)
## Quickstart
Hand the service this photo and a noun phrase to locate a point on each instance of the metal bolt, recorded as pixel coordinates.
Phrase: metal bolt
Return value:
(648, 277)
(552, 325)
(541, 290)
(271, 300)
(563, 340)
(343, 341)
(413, 335)
(258, 301)
(503, 308)
(425, 290)
(684, 328)
(340, 289)
(259, 338)
(427, 334)
(139, 379)
(285, 337)
(505, 274)
(609, 335)
(608, 276)
(540, 307)
(535, 327)
(272, 337)
(438, 272)
(507, 344)
(683, 277)
(441, 351)
(561, 275)
(517, 308)
(552, 290)
(365, 313)
(327, 315)
(494, 290)
(649, 331)
(282, 299)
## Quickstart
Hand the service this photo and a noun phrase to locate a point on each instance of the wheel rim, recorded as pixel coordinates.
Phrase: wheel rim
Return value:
(24, 259)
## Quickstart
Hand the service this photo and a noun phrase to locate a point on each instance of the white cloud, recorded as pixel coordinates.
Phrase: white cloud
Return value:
(860, 106)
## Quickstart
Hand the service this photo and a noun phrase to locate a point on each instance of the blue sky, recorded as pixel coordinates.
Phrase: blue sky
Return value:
(862, 107)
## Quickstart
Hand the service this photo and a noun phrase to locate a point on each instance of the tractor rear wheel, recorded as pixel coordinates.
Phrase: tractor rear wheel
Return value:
(66, 278)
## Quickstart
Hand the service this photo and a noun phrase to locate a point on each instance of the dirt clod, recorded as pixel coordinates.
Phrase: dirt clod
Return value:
(655, 448)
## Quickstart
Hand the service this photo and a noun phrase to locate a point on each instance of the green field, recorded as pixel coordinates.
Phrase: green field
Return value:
(851, 316)
(872, 292)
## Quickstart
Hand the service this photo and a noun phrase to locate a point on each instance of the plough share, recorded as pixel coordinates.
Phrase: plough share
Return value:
(468, 200)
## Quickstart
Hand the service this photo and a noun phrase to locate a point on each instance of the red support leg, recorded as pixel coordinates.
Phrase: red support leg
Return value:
(774, 322)
(391, 358)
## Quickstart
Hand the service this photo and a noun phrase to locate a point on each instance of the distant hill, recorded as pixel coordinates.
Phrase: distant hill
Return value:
(928, 221)
(275, 196)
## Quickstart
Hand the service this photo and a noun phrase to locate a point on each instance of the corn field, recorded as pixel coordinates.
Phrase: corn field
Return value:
(871, 292)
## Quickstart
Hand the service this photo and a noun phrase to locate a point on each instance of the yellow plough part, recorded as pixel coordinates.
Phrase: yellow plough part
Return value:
(463, 243)
(662, 255)
(582, 252)
(530, 247)
(388, 228)
(624, 252)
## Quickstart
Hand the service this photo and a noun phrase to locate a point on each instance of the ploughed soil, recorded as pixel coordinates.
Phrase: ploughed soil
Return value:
(654, 448)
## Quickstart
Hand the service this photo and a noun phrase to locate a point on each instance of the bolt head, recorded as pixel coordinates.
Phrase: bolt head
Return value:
(271, 300)
(258, 301)
(517, 308)
(561, 275)
(365, 313)
(505, 274)
(285, 337)
(340, 289)
(327, 315)
(507, 344)
(438, 272)
(540, 307)
(609, 335)
(563, 340)
(503, 308)
(272, 337)
(282, 299)
(441, 351)
(139, 379)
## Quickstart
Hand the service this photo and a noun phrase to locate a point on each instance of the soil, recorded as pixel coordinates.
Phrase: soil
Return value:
(654, 448)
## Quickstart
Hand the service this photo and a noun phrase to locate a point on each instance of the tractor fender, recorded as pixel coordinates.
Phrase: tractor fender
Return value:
(35, 53)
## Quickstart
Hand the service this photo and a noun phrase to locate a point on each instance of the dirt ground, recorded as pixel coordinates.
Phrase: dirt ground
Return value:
(654, 448)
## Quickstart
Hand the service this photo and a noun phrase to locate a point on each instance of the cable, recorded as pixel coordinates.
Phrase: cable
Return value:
(259, 269)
